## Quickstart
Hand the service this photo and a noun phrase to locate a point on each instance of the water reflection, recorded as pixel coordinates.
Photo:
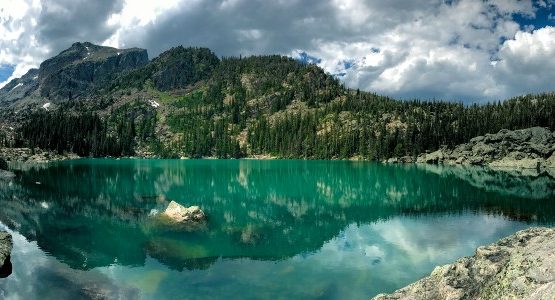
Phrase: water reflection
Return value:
(290, 220)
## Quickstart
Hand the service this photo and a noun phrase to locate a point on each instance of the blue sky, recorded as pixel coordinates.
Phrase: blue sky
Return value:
(5, 72)
(459, 50)
(545, 16)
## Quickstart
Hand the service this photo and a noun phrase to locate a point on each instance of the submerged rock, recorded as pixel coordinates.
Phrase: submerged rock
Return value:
(6, 245)
(521, 266)
(182, 214)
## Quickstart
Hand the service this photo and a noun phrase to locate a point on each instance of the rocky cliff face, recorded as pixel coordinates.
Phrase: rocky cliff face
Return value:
(531, 148)
(19, 88)
(521, 266)
(176, 68)
(85, 66)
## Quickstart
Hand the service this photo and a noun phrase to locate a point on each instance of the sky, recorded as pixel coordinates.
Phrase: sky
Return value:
(465, 50)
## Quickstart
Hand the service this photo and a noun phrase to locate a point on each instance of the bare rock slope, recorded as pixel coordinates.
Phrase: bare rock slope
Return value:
(531, 148)
(521, 266)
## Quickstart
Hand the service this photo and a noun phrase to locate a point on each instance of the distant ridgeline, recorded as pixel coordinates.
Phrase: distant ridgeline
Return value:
(100, 101)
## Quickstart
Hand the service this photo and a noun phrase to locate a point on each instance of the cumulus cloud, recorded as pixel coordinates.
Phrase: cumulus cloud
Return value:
(456, 50)
(527, 61)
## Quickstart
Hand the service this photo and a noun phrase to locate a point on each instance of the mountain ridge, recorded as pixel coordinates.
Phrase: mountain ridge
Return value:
(187, 102)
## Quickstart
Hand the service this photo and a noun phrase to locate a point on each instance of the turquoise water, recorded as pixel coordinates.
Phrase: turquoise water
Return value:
(276, 229)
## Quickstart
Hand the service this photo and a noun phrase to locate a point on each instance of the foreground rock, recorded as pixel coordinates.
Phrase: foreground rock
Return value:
(182, 214)
(6, 245)
(37, 156)
(521, 266)
(531, 148)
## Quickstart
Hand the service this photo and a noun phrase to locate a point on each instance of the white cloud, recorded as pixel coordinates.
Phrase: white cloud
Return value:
(527, 62)
(18, 43)
(443, 52)
(457, 50)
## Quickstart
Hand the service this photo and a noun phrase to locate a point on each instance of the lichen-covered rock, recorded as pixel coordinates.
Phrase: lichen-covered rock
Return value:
(531, 148)
(182, 214)
(6, 245)
(521, 266)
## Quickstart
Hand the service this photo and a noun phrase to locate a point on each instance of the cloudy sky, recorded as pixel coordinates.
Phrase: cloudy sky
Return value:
(466, 50)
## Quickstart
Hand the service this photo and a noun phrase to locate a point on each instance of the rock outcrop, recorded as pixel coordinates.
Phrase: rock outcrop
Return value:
(531, 148)
(521, 266)
(176, 68)
(6, 245)
(85, 66)
(182, 214)
(36, 156)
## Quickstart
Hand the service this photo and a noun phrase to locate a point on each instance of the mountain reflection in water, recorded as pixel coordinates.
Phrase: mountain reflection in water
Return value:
(348, 218)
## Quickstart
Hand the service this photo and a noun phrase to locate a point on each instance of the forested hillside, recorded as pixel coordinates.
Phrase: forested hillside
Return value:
(187, 102)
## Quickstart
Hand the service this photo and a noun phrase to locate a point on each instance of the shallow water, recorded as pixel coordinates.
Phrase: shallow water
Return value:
(276, 229)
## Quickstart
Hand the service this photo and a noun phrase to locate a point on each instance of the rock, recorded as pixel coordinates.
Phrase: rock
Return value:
(434, 157)
(182, 214)
(550, 162)
(83, 67)
(526, 163)
(521, 266)
(392, 160)
(34, 156)
(529, 148)
(6, 245)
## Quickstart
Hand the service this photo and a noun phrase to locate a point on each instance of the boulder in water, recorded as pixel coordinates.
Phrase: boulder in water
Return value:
(182, 214)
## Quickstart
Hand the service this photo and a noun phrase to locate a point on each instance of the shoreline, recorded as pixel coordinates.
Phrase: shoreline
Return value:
(520, 266)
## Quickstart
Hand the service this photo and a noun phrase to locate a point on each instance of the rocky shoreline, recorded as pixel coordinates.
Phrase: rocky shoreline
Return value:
(6, 245)
(27, 155)
(531, 148)
(521, 266)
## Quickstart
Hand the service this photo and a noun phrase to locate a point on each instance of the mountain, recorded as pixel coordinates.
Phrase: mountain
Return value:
(19, 88)
(73, 73)
(174, 69)
(188, 102)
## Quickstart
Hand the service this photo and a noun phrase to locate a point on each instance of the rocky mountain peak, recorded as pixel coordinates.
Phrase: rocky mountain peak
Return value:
(85, 66)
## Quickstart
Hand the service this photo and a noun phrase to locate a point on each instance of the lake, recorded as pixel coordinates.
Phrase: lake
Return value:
(276, 229)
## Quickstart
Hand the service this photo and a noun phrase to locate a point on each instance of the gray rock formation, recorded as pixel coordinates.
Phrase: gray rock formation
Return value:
(37, 156)
(85, 66)
(182, 214)
(521, 266)
(6, 245)
(531, 148)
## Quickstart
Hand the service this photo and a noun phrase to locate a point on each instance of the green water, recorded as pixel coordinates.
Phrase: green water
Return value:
(276, 229)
